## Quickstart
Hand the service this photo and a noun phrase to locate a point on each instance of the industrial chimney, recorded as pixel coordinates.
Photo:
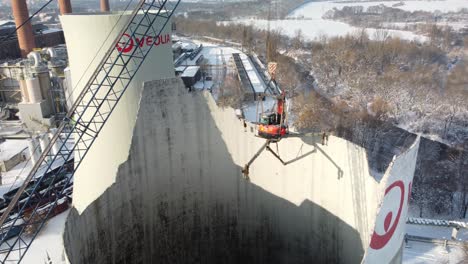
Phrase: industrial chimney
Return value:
(25, 33)
(65, 7)
(105, 5)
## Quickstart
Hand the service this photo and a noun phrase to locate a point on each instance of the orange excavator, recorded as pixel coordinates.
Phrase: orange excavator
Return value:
(272, 127)
(271, 124)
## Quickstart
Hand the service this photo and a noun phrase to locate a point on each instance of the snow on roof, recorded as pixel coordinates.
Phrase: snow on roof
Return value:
(188, 45)
(190, 71)
(51, 30)
(180, 68)
(6, 23)
(213, 54)
(10, 148)
(416, 252)
(176, 45)
(201, 85)
(255, 79)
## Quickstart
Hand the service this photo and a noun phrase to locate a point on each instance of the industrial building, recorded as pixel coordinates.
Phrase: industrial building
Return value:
(190, 76)
(156, 171)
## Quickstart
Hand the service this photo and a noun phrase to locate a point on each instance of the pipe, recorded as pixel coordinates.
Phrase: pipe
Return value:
(44, 83)
(34, 150)
(24, 91)
(25, 34)
(56, 145)
(105, 6)
(65, 7)
(44, 143)
(36, 57)
(51, 51)
(34, 90)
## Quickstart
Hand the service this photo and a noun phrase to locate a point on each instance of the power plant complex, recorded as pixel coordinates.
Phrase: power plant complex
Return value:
(129, 140)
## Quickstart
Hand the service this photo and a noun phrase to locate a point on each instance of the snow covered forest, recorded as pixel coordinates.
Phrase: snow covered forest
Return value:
(377, 91)
(420, 88)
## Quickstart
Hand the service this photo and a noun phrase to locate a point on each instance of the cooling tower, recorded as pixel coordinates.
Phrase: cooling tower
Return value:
(163, 182)
(88, 37)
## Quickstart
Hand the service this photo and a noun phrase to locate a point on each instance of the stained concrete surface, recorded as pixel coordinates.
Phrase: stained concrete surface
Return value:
(83, 32)
(180, 196)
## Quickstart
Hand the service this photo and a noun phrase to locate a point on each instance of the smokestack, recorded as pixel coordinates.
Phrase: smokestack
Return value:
(25, 33)
(105, 6)
(65, 7)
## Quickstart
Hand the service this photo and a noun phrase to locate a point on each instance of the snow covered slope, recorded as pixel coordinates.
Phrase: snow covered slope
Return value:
(315, 10)
(309, 18)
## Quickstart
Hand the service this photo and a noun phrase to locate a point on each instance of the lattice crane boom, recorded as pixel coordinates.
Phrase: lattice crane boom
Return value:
(45, 185)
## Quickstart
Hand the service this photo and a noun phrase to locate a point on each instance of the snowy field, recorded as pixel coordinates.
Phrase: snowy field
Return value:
(420, 252)
(427, 253)
(316, 28)
(437, 232)
(315, 10)
(308, 18)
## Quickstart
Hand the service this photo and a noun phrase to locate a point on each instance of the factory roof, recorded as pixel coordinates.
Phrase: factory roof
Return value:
(180, 68)
(190, 71)
(257, 82)
(10, 148)
(7, 23)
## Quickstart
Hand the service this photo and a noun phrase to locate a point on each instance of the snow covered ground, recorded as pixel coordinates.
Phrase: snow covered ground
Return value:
(15, 176)
(315, 28)
(422, 252)
(437, 232)
(49, 242)
(315, 10)
(308, 18)
(428, 253)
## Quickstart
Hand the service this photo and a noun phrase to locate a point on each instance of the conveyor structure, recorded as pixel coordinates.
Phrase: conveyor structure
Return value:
(244, 77)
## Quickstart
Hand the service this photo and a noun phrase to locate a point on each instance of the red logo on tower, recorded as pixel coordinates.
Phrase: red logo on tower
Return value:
(378, 241)
(127, 44)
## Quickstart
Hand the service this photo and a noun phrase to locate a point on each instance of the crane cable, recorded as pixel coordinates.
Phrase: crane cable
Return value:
(27, 20)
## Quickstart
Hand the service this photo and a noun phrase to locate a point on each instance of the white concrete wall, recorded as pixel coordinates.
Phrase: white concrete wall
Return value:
(184, 158)
(84, 35)
(180, 194)
(389, 228)
(335, 176)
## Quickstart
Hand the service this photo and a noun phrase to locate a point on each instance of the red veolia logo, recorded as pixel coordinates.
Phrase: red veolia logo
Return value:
(126, 43)
(379, 241)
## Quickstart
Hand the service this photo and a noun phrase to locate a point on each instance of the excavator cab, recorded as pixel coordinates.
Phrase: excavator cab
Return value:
(271, 124)
(269, 119)
(270, 127)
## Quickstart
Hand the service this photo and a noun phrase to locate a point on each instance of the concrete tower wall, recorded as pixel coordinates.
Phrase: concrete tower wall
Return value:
(389, 228)
(88, 37)
(179, 196)
(163, 182)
